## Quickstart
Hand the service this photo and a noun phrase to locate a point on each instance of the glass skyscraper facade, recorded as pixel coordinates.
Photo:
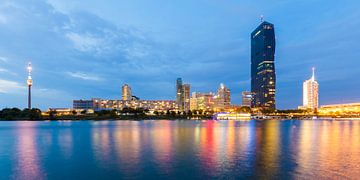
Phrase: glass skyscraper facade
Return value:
(263, 76)
(179, 93)
(182, 95)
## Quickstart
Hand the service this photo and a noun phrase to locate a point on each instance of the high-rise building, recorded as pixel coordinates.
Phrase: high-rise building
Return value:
(246, 98)
(263, 77)
(126, 92)
(186, 97)
(222, 99)
(311, 93)
(179, 93)
(182, 95)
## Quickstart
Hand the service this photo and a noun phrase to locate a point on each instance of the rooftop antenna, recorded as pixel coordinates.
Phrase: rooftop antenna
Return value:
(313, 74)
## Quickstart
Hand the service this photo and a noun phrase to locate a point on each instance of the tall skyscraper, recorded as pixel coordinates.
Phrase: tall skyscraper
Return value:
(182, 95)
(29, 83)
(126, 92)
(179, 93)
(311, 93)
(186, 97)
(263, 77)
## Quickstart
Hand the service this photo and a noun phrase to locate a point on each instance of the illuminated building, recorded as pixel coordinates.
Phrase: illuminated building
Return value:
(67, 111)
(182, 95)
(126, 92)
(98, 104)
(29, 83)
(179, 93)
(350, 108)
(246, 98)
(202, 101)
(186, 97)
(222, 99)
(263, 77)
(311, 93)
(193, 102)
(83, 104)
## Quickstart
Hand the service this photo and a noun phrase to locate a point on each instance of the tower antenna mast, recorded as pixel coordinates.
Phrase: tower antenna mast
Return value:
(29, 83)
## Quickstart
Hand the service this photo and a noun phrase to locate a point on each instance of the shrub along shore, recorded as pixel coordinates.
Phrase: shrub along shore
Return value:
(16, 114)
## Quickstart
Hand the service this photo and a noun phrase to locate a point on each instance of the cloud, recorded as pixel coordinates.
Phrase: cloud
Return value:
(3, 19)
(3, 59)
(10, 87)
(84, 76)
(85, 42)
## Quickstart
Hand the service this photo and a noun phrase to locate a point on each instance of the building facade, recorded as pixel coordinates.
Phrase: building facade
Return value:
(186, 97)
(98, 104)
(182, 95)
(311, 93)
(179, 93)
(222, 99)
(263, 76)
(340, 109)
(202, 101)
(83, 104)
(246, 98)
(126, 92)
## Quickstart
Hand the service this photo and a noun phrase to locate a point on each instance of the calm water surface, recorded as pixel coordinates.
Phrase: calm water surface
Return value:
(288, 149)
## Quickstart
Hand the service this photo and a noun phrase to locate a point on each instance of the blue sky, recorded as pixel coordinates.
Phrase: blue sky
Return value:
(84, 49)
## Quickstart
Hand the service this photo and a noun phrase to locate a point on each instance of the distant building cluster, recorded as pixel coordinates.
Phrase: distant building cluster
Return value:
(210, 101)
(183, 103)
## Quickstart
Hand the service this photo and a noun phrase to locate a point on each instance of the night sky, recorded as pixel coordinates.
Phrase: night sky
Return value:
(82, 49)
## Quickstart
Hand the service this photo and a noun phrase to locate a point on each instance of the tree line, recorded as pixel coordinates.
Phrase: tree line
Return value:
(16, 113)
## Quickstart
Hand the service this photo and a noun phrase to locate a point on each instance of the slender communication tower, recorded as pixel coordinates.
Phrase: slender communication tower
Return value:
(29, 83)
(313, 74)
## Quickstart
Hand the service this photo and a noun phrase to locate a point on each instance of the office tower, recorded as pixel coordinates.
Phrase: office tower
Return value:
(263, 76)
(29, 83)
(126, 92)
(186, 97)
(179, 93)
(246, 98)
(222, 99)
(311, 93)
(182, 95)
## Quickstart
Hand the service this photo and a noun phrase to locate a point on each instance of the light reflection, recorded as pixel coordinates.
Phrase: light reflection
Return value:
(128, 146)
(161, 139)
(101, 143)
(65, 139)
(328, 147)
(27, 159)
(210, 149)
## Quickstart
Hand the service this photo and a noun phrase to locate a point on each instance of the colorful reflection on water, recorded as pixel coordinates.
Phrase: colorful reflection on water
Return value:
(180, 149)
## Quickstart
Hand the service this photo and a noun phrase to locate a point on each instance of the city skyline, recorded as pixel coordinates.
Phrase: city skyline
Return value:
(73, 60)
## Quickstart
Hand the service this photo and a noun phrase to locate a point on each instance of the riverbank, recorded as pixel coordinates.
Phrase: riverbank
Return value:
(108, 117)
